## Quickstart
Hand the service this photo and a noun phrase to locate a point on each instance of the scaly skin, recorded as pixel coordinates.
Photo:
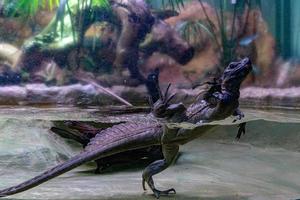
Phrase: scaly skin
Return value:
(83, 132)
(129, 136)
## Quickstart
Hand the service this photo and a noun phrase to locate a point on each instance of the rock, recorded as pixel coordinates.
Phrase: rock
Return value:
(73, 94)
(271, 96)
(41, 94)
(165, 64)
(12, 95)
(10, 54)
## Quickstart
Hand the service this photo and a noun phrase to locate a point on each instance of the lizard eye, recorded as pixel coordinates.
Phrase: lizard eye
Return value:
(231, 66)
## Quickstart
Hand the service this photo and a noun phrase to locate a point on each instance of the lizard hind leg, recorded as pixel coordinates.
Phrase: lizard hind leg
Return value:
(170, 152)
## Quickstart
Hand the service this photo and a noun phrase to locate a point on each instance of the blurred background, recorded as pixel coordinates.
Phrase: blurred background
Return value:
(59, 43)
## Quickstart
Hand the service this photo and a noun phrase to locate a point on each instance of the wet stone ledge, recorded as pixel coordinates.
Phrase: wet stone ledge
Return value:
(258, 96)
(88, 94)
(76, 94)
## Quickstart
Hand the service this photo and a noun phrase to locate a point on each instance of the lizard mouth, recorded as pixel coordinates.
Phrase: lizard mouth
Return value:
(244, 67)
(246, 63)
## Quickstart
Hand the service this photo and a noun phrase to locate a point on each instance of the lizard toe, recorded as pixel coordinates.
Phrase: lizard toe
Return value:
(158, 193)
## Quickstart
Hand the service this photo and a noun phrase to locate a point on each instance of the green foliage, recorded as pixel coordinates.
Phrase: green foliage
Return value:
(191, 31)
(228, 43)
(28, 8)
(51, 3)
(101, 3)
(174, 4)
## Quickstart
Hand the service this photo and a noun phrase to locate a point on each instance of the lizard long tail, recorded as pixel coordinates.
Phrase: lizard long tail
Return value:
(119, 143)
(49, 174)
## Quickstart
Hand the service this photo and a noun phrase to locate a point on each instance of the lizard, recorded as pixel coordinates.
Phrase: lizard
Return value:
(136, 135)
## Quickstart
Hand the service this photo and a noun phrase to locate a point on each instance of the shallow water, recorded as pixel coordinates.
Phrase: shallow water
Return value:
(264, 164)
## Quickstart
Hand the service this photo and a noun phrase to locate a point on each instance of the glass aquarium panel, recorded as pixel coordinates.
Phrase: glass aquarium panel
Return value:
(125, 82)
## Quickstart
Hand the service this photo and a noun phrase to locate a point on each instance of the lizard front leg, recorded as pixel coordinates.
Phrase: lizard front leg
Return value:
(242, 130)
(169, 152)
(238, 114)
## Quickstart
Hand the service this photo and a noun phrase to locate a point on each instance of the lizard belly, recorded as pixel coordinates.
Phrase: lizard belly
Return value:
(182, 135)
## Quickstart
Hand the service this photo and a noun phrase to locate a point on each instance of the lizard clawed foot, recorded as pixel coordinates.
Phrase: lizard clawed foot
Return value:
(159, 108)
(166, 98)
(158, 193)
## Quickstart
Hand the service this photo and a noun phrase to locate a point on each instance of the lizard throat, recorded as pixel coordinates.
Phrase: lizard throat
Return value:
(230, 96)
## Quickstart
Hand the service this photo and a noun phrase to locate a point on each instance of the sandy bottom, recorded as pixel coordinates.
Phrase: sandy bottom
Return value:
(205, 170)
(264, 165)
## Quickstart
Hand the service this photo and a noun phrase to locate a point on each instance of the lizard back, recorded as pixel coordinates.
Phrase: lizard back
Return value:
(144, 134)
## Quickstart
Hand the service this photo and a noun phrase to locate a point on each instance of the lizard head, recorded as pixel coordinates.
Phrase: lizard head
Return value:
(235, 74)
